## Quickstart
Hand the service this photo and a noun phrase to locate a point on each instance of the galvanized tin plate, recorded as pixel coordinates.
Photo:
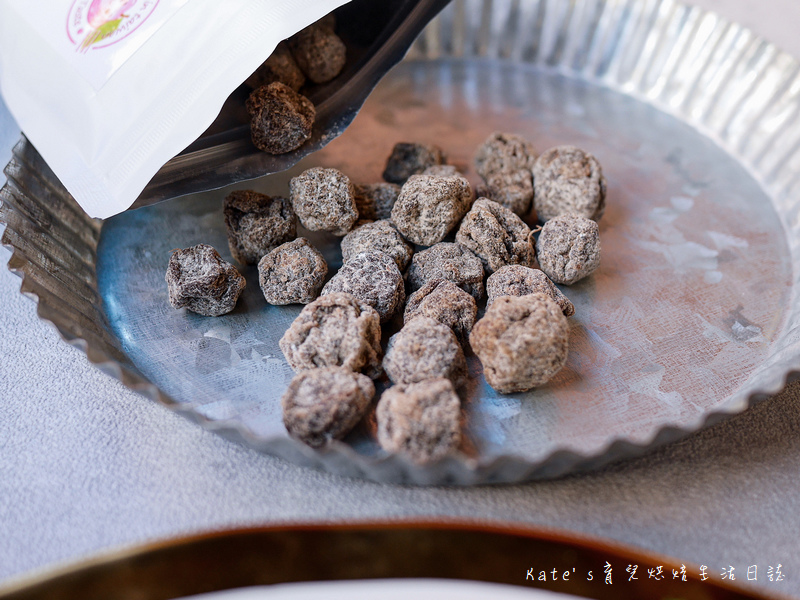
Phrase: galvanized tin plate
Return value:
(691, 316)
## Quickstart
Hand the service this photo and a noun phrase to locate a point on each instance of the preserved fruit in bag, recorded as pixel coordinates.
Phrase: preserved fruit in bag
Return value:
(144, 99)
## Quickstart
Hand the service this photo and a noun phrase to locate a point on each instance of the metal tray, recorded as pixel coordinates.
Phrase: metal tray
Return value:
(692, 315)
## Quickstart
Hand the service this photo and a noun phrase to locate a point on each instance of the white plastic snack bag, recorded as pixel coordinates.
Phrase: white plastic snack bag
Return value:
(109, 90)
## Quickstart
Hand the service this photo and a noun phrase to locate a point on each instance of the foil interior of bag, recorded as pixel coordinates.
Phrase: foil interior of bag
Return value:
(377, 36)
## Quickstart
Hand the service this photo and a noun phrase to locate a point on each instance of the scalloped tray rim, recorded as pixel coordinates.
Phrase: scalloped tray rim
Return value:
(340, 459)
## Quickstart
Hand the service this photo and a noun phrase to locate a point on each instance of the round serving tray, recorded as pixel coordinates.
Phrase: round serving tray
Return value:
(691, 316)
(329, 553)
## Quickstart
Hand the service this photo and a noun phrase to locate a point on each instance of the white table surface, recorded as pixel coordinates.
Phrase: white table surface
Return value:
(87, 465)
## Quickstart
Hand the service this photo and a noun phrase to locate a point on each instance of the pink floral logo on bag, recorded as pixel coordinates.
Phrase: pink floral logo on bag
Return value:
(95, 24)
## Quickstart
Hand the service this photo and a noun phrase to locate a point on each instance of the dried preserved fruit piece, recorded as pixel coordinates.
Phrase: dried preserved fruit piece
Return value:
(280, 118)
(448, 261)
(377, 235)
(319, 52)
(324, 404)
(428, 207)
(516, 280)
(323, 200)
(257, 223)
(442, 171)
(336, 330)
(568, 248)
(373, 278)
(567, 179)
(445, 302)
(200, 280)
(280, 66)
(292, 273)
(504, 152)
(421, 420)
(375, 200)
(522, 342)
(504, 161)
(409, 159)
(496, 235)
(424, 349)
(512, 189)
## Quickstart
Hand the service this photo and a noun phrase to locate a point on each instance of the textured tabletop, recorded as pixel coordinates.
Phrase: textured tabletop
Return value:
(87, 465)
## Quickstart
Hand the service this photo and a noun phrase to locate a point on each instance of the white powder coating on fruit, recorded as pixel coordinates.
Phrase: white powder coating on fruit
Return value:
(445, 302)
(568, 179)
(504, 153)
(496, 235)
(516, 280)
(292, 273)
(332, 331)
(568, 248)
(324, 200)
(326, 403)
(420, 420)
(448, 261)
(373, 278)
(522, 342)
(429, 207)
(424, 349)
(200, 280)
(378, 235)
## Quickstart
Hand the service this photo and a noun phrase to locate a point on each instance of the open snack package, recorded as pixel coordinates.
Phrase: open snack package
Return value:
(108, 91)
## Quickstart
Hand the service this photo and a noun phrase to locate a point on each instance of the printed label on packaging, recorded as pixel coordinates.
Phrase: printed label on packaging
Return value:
(97, 36)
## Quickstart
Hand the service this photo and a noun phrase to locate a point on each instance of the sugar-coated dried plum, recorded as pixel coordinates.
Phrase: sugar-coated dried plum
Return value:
(292, 273)
(319, 52)
(200, 280)
(325, 404)
(516, 280)
(374, 201)
(336, 330)
(568, 248)
(421, 421)
(377, 235)
(409, 159)
(324, 200)
(429, 207)
(568, 179)
(373, 278)
(280, 119)
(446, 303)
(448, 261)
(521, 341)
(496, 235)
(257, 223)
(424, 349)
